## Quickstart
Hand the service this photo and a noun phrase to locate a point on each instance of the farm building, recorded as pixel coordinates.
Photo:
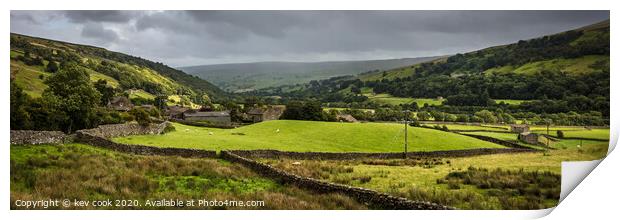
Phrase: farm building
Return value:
(519, 128)
(345, 118)
(530, 138)
(175, 111)
(259, 114)
(219, 118)
(120, 103)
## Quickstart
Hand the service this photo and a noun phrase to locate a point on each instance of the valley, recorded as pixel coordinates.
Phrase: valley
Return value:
(483, 129)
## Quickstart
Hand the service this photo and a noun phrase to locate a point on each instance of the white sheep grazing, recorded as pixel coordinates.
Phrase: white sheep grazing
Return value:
(210, 133)
(278, 130)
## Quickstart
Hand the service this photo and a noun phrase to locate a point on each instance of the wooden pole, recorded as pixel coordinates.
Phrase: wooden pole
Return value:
(406, 125)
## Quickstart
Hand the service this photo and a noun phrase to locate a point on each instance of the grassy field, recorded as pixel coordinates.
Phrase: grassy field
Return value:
(597, 133)
(501, 136)
(83, 172)
(94, 76)
(29, 78)
(139, 93)
(391, 100)
(342, 109)
(418, 179)
(509, 101)
(578, 65)
(306, 136)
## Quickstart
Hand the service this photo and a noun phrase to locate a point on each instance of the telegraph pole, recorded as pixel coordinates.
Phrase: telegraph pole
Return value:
(548, 123)
(406, 125)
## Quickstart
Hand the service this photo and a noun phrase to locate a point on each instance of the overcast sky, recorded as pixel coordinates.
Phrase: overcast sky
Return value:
(183, 38)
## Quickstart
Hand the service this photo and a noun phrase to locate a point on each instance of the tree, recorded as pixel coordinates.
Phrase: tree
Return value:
(142, 117)
(298, 110)
(450, 117)
(160, 101)
(71, 93)
(423, 116)
(107, 92)
(52, 67)
(486, 116)
(20, 118)
(438, 116)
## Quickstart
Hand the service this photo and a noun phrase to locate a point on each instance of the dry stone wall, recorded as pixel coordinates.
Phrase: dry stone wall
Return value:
(39, 137)
(370, 197)
(497, 141)
(100, 137)
(120, 130)
(275, 154)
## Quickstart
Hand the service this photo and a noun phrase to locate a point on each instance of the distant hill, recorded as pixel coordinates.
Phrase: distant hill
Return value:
(238, 77)
(31, 57)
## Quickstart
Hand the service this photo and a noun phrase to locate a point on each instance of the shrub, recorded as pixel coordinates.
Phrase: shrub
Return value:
(364, 179)
(169, 128)
(414, 123)
(453, 185)
(560, 134)
(141, 116)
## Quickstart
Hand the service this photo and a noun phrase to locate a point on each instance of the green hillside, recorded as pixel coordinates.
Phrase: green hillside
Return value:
(31, 57)
(527, 69)
(305, 136)
(558, 73)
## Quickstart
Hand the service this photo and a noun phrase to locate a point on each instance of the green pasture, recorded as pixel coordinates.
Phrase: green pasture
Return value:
(305, 136)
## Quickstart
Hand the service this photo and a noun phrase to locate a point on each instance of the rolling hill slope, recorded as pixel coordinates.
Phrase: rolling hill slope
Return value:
(31, 57)
(248, 76)
(572, 67)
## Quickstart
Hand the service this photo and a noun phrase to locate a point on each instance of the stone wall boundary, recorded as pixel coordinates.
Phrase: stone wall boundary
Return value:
(87, 138)
(39, 137)
(275, 154)
(373, 198)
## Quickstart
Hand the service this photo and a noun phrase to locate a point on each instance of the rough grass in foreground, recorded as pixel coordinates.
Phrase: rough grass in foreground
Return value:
(407, 178)
(82, 172)
(311, 136)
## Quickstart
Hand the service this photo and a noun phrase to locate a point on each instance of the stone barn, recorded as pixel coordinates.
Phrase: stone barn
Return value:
(259, 114)
(175, 111)
(218, 118)
(120, 103)
(519, 128)
(527, 137)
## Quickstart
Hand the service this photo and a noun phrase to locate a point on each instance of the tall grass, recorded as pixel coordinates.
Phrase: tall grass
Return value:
(86, 173)
(514, 189)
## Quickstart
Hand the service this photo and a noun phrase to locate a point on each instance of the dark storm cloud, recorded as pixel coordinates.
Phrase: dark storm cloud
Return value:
(202, 37)
(100, 33)
(100, 16)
